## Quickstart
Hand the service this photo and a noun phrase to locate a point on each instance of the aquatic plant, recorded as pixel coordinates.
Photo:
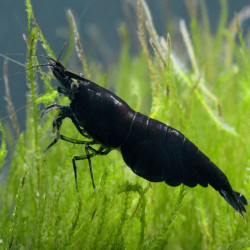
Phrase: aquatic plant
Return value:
(209, 102)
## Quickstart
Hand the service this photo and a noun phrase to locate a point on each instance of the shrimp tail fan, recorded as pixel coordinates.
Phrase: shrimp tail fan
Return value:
(235, 199)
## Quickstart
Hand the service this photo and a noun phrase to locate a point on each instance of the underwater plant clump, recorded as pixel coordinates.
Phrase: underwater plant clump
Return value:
(39, 205)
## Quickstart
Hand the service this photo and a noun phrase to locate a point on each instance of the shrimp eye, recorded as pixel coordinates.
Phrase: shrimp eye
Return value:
(74, 86)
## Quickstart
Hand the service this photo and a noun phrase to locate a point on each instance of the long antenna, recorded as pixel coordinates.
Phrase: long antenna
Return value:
(12, 60)
(62, 51)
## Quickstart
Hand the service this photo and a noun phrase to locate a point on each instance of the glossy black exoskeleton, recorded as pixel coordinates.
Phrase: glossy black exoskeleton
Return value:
(152, 149)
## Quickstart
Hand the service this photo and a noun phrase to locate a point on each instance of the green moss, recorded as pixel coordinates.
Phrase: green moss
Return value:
(39, 205)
